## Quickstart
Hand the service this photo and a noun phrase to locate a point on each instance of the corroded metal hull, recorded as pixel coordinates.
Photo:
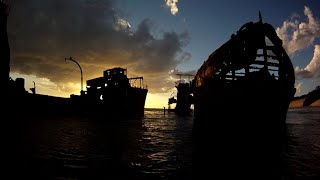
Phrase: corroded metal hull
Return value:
(241, 97)
(116, 103)
(113, 95)
(246, 72)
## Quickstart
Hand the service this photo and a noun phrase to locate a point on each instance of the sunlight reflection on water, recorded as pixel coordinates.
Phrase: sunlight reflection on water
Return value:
(163, 139)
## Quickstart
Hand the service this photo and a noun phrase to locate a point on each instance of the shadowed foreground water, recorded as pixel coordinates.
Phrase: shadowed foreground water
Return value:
(302, 154)
(156, 147)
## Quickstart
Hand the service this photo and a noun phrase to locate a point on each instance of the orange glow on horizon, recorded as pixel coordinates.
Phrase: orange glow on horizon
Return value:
(158, 100)
(46, 87)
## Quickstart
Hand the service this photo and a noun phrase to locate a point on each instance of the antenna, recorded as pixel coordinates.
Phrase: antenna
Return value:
(181, 74)
(260, 17)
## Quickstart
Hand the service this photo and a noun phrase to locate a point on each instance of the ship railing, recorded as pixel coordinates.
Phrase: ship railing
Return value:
(140, 84)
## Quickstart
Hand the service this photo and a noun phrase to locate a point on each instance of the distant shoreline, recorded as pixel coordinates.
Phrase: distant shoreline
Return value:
(298, 103)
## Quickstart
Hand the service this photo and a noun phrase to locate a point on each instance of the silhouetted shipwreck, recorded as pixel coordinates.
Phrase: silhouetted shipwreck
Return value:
(184, 97)
(113, 95)
(241, 97)
(16, 101)
(4, 50)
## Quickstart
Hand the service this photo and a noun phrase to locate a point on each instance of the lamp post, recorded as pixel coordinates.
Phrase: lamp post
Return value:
(33, 90)
(80, 71)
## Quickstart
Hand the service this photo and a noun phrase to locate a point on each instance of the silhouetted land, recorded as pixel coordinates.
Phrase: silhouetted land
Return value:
(310, 99)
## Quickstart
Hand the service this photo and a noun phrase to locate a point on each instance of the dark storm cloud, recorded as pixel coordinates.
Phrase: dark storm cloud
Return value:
(158, 54)
(43, 33)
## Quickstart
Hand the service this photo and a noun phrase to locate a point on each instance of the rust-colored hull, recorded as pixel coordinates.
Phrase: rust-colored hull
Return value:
(241, 97)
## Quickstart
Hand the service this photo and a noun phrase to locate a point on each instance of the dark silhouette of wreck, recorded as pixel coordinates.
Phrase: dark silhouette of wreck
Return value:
(184, 98)
(113, 94)
(4, 50)
(241, 97)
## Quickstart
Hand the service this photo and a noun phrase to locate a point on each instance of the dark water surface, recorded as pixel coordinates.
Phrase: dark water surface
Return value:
(159, 146)
(302, 153)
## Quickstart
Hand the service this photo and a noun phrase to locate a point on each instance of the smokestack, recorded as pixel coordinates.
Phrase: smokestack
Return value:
(4, 49)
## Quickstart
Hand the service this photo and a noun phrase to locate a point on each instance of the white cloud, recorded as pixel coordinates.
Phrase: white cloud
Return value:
(298, 35)
(312, 69)
(122, 24)
(314, 64)
(172, 4)
(298, 87)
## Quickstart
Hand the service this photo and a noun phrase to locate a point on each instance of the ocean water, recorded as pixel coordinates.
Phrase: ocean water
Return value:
(157, 146)
(302, 154)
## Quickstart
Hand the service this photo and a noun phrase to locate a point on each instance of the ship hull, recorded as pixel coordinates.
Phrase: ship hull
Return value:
(241, 97)
(137, 98)
(113, 103)
(240, 129)
(36, 105)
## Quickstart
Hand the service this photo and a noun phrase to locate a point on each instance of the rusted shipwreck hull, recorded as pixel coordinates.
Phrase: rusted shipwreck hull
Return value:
(250, 72)
(241, 97)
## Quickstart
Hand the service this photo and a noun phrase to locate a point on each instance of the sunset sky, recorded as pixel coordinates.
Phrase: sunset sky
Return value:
(151, 38)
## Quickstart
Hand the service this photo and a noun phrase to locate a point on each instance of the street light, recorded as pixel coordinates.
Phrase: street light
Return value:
(65, 59)
(33, 90)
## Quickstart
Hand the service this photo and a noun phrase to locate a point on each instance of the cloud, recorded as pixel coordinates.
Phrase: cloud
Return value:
(178, 76)
(122, 24)
(312, 69)
(298, 87)
(184, 74)
(296, 34)
(172, 4)
(314, 64)
(43, 33)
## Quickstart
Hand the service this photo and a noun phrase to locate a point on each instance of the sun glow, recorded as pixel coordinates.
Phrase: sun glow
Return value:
(158, 100)
(46, 87)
